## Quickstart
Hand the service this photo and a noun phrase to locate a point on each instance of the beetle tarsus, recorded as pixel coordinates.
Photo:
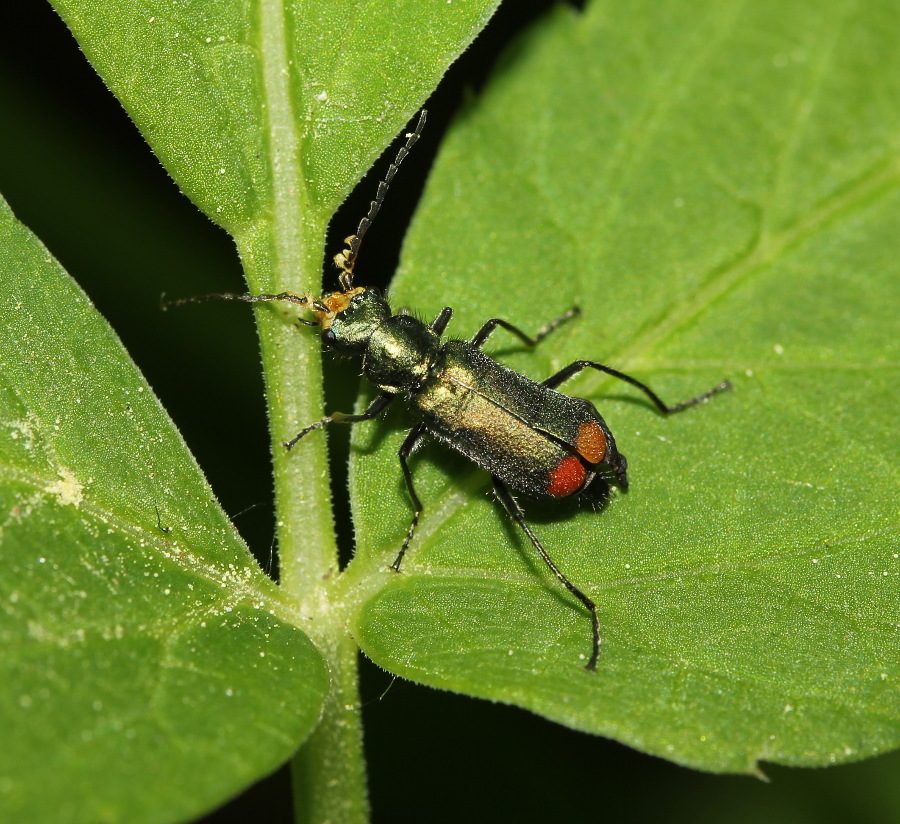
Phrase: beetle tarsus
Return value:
(515, 511)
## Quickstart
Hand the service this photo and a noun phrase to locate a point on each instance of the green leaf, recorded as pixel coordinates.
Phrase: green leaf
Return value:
(266, 114)
(717, 188)
(254, 107)
(144, 651)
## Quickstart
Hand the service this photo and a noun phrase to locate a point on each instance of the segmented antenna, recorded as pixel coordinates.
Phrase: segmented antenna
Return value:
(288, 297)
(346, 259)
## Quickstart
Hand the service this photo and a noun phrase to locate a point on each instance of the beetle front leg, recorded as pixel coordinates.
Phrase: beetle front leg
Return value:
(375, 409)
(406, 449)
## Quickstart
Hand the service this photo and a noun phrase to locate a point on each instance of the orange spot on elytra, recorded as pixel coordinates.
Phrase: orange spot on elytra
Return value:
(567, 478)
(591, 442)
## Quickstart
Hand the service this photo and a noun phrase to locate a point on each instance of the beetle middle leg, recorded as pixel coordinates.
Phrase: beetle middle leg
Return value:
(406, 449)
(515, 512)
(485, 332)
(574, 368)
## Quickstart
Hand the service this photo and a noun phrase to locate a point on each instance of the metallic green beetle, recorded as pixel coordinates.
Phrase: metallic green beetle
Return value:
(530, 438)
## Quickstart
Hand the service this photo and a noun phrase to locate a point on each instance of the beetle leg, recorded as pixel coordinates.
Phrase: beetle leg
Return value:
(375, 409)
(515, 512)
(406, 449)
(439, 324)
(485, 332)
(574, 368)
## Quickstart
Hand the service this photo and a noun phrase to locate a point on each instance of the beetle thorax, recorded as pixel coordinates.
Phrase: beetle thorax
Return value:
(351, 318)
(400, 354)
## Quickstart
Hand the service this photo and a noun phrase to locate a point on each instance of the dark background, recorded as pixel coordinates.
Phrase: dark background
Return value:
(75, 170)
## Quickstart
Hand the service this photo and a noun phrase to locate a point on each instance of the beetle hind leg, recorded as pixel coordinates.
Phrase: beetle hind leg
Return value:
(574, 368)
(515, 512)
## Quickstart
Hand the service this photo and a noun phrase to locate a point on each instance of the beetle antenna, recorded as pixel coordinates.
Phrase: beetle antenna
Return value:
(287, 297)
(346, 259)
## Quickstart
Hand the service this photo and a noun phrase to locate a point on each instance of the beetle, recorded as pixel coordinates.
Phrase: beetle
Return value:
(531, 438)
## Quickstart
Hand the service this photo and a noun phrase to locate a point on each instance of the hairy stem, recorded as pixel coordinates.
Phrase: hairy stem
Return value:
(329, 775)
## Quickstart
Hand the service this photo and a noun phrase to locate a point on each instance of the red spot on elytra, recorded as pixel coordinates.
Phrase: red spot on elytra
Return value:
(567, 478)
(591, 442)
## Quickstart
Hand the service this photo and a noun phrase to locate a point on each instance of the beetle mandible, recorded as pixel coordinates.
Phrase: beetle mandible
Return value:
(531, 438)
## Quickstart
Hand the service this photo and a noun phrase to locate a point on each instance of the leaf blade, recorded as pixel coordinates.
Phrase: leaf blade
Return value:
(124, 636)
(685, 181)
(233, 95)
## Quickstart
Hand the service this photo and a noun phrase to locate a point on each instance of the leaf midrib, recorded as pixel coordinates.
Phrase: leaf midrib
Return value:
(762, 253)
(290, 197)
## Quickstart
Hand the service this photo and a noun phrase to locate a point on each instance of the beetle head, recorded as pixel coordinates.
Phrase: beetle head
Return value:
(349, 318)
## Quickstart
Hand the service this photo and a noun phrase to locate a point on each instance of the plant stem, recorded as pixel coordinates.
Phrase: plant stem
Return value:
(329, 770)
(329, 776)
(292, 369)
(285, 253)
